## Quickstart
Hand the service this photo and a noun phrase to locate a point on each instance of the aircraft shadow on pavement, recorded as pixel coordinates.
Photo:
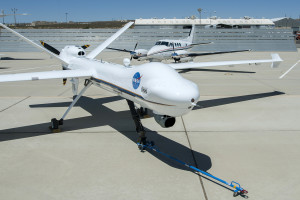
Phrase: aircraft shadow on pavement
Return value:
(230, 100)
(10, 58)
(122, 122)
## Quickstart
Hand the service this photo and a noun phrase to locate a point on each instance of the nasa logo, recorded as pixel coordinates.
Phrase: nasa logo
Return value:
(136, 80)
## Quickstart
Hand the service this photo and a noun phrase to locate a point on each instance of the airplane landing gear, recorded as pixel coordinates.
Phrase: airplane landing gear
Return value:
(143, 112)
(56, 123)
(142, 140)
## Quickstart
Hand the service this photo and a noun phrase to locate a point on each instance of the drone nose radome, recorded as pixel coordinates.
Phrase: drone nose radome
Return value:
(183, 94)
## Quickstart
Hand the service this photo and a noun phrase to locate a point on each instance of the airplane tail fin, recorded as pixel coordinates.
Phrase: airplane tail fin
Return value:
(191, 35)
(276, 60)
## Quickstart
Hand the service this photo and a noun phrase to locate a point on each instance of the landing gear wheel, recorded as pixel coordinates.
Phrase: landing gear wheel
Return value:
(141, 142)
(143, 112)
(61, 122)
(141, 147)
(55, 125)
(235, 194)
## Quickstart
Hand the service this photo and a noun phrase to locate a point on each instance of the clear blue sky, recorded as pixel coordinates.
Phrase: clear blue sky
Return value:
(97, 10)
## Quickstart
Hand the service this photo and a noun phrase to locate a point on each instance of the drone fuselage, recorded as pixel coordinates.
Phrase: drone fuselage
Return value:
(155, 86)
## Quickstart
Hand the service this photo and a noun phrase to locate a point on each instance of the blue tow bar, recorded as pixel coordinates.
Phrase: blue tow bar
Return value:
(238, 190)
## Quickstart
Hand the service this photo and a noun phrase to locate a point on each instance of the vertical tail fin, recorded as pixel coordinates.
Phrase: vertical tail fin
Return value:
(191, 35)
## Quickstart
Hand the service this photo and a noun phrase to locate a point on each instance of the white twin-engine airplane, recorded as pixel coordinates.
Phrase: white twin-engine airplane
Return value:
(171, 49)
(154, 86)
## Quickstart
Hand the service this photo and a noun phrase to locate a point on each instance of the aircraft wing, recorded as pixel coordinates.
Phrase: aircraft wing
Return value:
(202, 43)
(107, 42)
(275, 63)
(213, 53)
(124, 50)
(34, 76)
(35, 44)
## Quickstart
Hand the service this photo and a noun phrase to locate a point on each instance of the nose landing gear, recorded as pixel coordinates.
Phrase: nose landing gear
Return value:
(142, 140)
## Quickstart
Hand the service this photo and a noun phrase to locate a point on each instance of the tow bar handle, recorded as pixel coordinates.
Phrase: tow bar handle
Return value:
(238, 190)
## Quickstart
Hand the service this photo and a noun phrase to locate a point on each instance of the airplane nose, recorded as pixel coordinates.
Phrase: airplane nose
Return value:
(184, 93)
(152, 51)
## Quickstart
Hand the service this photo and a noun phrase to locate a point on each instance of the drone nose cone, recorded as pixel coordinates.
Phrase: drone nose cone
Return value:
(183, 94)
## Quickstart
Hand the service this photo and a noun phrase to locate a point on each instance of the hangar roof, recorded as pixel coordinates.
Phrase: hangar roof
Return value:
(211, 21)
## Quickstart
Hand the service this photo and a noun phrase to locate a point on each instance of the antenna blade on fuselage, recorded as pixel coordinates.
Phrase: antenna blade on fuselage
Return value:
(107, 42)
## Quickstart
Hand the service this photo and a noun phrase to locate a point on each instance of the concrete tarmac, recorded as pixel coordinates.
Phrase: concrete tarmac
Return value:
(246, 129)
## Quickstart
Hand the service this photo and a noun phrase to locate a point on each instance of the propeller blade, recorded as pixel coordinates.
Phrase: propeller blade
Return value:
(135, 46)
(174, 54)
(85, 46)
(50, 48)
(132, 53)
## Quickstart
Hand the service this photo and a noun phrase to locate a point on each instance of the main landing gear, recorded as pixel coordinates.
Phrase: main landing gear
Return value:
(135, 114)
(56, 123)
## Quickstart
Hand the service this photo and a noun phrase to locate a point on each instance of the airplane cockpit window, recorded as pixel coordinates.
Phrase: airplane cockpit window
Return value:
(158, 43)
(165, 43)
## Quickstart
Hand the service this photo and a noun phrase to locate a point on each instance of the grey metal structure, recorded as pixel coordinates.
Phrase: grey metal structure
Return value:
(223, 39)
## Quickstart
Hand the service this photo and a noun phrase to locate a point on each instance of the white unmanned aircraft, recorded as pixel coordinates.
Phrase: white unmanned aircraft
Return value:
(154, 86)
(171, 49)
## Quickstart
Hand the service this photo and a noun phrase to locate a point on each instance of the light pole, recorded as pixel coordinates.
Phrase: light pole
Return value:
(3, 15)
(66, 17)
(200, 10)
(14, 10)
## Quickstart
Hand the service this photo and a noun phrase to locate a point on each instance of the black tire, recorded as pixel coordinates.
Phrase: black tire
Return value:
(54, 123)
(61, 122)
(235, 194)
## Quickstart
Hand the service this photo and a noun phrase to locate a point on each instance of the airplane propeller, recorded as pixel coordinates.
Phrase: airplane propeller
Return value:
(50, 48)
(55, 51)
(133, 53)
(85, 46)
(174, 54)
